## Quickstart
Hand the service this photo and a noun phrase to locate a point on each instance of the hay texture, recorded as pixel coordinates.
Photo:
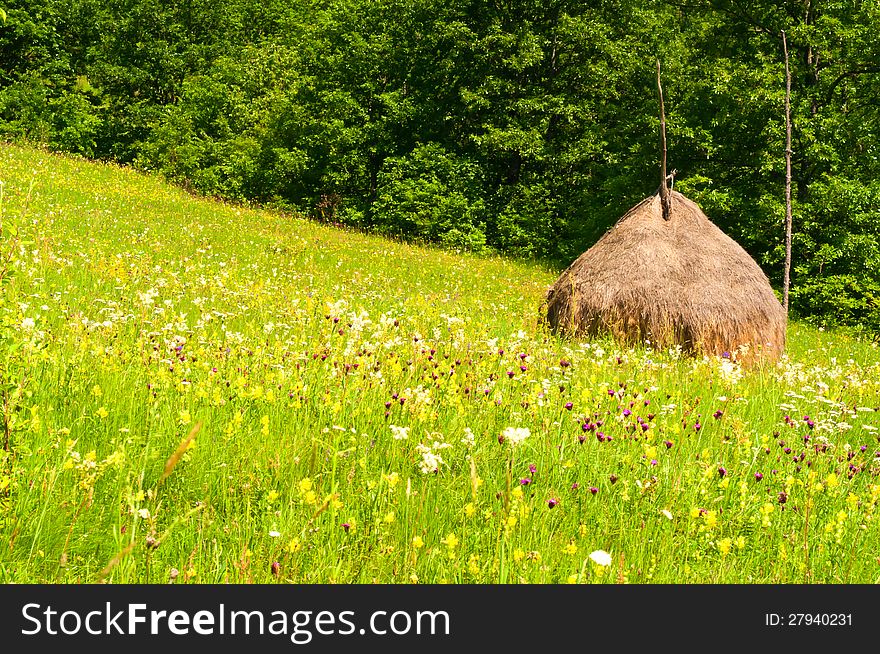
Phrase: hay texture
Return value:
(680, 281)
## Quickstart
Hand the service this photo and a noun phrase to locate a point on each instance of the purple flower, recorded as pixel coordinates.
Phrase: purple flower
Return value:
(346, 526)
(722, 471)
(697, 427)
(564, 363)
(627, 413)
(533, 468)
(510, 373)
(718, 414)
(525, 481)
(668, 444)
(612, 478)
(276, 568)
(594, 490)
(575, 486)
(600, 436)
(552, 502)
(568, 406)
(863, 448)
(581, 438)
(610, 392)
(782, 497)
(758, 476)
(653, 462)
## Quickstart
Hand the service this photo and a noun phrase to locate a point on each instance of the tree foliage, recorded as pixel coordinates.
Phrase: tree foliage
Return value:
(517, 126)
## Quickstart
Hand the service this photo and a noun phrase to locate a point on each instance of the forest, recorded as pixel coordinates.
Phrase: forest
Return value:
(515, 127)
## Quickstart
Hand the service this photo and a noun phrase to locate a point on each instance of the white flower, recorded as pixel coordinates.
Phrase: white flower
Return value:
(468, 439)
(274, 534)
(431, 461)
(601, 557)
(144, 514)
(516, 435)
(666, 513)
(399, 433)
(28, 324)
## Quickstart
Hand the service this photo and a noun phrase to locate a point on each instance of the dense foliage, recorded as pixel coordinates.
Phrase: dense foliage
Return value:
(519, 126)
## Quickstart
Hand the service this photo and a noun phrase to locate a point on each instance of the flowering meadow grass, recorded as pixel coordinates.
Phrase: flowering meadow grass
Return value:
(196, 392)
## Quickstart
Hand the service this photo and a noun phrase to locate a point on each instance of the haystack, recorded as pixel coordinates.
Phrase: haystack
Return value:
(673, 280)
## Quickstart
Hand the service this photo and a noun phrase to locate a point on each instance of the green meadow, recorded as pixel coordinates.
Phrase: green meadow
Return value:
(196, 392)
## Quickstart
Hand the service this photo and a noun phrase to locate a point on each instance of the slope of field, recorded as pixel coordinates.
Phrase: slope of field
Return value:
(199, 392)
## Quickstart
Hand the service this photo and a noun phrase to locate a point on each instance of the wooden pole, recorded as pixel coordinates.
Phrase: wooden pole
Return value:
(664, 189)
(786, 281)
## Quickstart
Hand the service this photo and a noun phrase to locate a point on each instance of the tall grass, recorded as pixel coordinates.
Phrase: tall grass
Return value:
(200, 393)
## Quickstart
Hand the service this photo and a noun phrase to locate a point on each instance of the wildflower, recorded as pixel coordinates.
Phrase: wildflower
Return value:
(451, 541)
(666, 513)
(418, 543)
(569, 406)
(571, 548)
(431, 461)
(525, 481)
(593, 490)
(516, 435)
(533, 468)
(346, 526)
(552, 502)
(601, 557)
(724, 546)
(102, 412)
(276, 568)
(399, 433)
(274, 534)
(28, 324)
(722, 471)
(470, 509)
(717, 415)
(758, 476)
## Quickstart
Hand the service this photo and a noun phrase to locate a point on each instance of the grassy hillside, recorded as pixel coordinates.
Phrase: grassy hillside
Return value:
(207, 393)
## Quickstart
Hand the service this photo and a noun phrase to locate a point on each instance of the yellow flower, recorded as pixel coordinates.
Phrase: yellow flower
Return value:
(185, 417)
(571, 548)
(272, 496)
(305, 485)
(103, 413)
(418, 543)
(391, 479)
(724, 546)
(451, 541)
(96, 391)
(470, 509)
(831, 481)
(517, 493)
(389, 517)
(518, 555)
(511, 522)
(572, 579)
